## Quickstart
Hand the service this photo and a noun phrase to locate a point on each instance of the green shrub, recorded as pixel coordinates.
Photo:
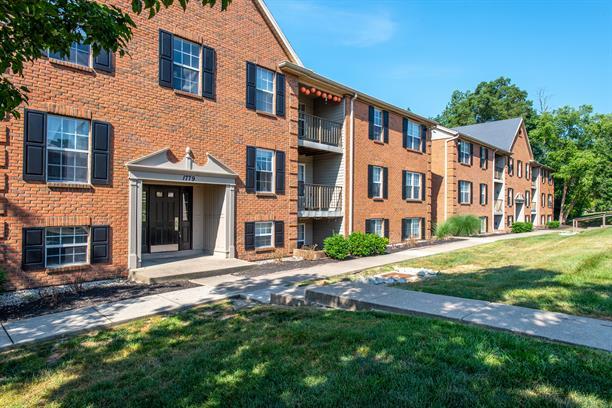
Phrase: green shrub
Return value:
(361, 244)
(336, 246)
(522, 227)
(442, 230)
(553, 224)
(458, 226)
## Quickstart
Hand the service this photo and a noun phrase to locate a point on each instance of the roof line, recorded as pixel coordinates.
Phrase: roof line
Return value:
(265, 11)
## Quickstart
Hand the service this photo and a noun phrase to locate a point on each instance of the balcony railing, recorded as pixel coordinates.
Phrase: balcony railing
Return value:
(315, 129)
(318, 197)
(499, 173)
(498, 206)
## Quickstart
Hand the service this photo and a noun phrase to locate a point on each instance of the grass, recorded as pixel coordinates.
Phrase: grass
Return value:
(570, 274)
(271, 356)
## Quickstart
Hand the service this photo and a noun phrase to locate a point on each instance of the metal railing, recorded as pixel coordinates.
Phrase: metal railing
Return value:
(499, 173)
(319, 197)
(498, 206)
(315, 129)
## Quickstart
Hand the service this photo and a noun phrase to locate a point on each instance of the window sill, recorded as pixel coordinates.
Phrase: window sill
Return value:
(413, 200)
(72, 65)
(380, 199)
(264, 250)
(378, 142)
(414, 150)
(265, 194)
(465, 164)
(83, 186)
(69, 268)
(186, 94)
(465, 204)
(264, 113)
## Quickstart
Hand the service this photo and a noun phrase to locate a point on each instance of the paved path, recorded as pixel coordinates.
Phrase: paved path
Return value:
(561, 327)
(212, 289)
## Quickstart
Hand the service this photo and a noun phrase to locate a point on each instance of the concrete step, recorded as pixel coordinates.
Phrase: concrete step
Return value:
(187, 269)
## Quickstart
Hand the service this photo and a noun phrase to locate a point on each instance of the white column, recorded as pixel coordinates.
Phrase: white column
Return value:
(134, 224)
(230, 219)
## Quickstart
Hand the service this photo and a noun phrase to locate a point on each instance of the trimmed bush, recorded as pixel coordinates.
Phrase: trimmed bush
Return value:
(361, 244)
(458, 226)
(522, 227)
(336, 247)
(553, 224)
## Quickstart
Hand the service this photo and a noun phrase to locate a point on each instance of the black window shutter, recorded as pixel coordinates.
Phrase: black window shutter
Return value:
(404, 132)
(371, 123)
(34, 146)
(101, 145)
(251, 73)
(386, 126)
(404, 187)
(209, 72)
(459, 151)
(486, 157)
(370, 177)
(250, 169)
(100, 244)
(249, 235)
(280, 95)
(423, 186)
(386, 221)
(423, 226)
(471, 193)
(166, 43)
(385, 182)
(280, 172)
(279, 234)
(486, 194)
(33, 252)
(404, 229)
(471, 153)
(104, 61)
(368, 226)
(423, 138)
(459, 192)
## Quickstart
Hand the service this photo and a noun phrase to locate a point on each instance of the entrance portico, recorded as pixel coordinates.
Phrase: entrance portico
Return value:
(180, 208)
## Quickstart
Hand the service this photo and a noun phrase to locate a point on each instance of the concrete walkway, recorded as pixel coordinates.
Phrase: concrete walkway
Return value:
(582, 331)
(213, 288)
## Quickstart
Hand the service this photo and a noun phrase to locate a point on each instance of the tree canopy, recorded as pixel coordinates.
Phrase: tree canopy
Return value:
(29, 28)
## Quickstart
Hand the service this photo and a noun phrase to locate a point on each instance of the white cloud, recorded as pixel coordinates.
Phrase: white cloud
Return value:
(342, 26)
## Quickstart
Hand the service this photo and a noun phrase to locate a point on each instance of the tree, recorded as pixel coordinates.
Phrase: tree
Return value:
(28, 28)
(494, 100)
(577, 144)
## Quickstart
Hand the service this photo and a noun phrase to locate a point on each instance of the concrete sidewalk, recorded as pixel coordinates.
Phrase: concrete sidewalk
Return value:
(213, 288)
(577, 330)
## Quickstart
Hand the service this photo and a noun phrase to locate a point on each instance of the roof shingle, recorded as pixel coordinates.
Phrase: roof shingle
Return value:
(499, 133)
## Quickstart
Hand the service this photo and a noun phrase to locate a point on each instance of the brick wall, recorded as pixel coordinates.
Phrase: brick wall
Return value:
(146, 118)
(520, 151)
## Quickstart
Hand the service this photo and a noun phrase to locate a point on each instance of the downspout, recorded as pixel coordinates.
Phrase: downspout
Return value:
(352, 161)
(446, 176)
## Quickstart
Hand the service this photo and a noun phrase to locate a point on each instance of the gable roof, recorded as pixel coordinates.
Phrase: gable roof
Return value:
(499, 133)
(276, 30)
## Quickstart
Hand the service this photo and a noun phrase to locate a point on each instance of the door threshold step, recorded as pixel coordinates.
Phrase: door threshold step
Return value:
(187, 269)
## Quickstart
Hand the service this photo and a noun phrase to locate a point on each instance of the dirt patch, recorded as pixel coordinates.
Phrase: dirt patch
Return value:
(92, 296)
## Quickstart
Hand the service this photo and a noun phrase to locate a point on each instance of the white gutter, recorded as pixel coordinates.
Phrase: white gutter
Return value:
(352, 161)
(446, 175)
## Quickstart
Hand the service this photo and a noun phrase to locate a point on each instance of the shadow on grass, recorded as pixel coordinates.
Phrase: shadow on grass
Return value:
(530, 287)
(216, 356)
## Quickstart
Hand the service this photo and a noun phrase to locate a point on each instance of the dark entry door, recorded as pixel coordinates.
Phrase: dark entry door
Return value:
(164, 218)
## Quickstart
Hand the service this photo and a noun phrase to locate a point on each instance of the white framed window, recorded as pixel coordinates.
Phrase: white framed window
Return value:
(186, 66)
(549, 218)
(378, 227)
(66, 246)
(413, 185)
(550, 201)
(263, 234)
(264, 84)
(484, 221)
(79, 54)
(412, 228)
(67, 149)
(527, 171)
(465, 152)
(483, 194)
(264, 170)
(519, 168)
(377, 182)
(413, 135)
(301, 235)
(510, 197)
(378, 125)
(465, 192)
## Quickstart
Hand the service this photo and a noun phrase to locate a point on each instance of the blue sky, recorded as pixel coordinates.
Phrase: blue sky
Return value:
(415, 53)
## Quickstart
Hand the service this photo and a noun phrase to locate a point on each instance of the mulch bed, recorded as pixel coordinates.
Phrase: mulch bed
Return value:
(66, 301)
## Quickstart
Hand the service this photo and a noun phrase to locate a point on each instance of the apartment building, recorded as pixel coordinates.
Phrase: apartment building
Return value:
(210, 139)
(488, 170)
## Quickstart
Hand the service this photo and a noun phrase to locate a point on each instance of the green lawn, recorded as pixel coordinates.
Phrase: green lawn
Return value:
(273, 356)
(571, 274)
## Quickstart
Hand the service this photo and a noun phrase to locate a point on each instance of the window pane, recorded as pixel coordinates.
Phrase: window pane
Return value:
(68, 149)
(186, 66)
(264, 97)
(66, 246)
(263, 234)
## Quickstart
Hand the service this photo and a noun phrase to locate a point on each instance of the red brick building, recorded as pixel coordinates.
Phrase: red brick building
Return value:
(203, 141)
(488, 170)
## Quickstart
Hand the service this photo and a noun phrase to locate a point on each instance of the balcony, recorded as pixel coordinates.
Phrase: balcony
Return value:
(498, 206)
(318, 200)
(499, 173)
(319, 133)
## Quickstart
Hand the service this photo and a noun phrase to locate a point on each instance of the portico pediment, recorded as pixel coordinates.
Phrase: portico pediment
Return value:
(159, 166)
